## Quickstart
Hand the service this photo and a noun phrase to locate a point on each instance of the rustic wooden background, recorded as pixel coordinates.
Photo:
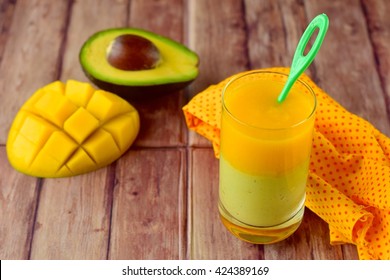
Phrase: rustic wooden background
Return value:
(159, 201)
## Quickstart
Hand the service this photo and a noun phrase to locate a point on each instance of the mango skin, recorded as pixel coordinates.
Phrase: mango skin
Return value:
(69, 129)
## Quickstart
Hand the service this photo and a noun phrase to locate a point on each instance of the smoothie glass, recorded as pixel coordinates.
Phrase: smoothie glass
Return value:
(264, 156)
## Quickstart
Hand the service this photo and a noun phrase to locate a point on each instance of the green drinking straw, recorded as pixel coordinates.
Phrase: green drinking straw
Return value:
(300, 62)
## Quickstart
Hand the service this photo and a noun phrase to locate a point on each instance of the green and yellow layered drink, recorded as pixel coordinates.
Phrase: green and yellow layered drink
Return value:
(264, 157)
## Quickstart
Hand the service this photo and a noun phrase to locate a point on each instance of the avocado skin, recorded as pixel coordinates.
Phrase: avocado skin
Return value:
(138, 92)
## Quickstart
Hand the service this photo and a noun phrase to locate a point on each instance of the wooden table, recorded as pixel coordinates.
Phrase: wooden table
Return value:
(159, 201)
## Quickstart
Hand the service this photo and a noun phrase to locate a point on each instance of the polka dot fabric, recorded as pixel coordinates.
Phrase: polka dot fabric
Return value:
(349, 178)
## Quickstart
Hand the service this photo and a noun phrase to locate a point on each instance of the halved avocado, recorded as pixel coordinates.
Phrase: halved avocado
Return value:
(136, 63)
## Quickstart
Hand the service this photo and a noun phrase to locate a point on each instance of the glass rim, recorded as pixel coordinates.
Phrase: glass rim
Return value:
(235, 78)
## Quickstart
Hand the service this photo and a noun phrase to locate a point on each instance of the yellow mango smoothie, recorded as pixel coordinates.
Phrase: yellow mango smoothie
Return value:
(264, 156)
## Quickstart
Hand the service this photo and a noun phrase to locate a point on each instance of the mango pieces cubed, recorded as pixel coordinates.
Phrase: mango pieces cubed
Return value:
(69, 129)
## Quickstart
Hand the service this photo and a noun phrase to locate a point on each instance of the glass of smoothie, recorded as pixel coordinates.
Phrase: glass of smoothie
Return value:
(264, 156)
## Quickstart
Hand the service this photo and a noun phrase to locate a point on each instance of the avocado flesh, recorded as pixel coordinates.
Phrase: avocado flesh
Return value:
(177, 66)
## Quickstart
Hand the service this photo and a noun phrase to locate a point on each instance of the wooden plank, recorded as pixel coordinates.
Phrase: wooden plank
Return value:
(164, 17)
(209, 238)
(73, 219)
(222, 26)
(266, 34)
(379, 27)
(217, 34)
(7, 8)
(91, 16)
(136, 231)
(359, 90)
(349, 252)
(18, 196)
(24, 68)
(274, 29)
(82, 203)
(310, 241)
(149, 212)
(162, 122)
(31, 54)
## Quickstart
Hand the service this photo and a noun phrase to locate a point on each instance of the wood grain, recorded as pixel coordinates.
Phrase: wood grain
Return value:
(310, 241)
(225, 29)
(266, 34)
(73, 219)
(274, 29)
(165, 17)
(149, 212)
(159, 201)
(18, 201)
(378, 25)
(219, 37)
(7, 8)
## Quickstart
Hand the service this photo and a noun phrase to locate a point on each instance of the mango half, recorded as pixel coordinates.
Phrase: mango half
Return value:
(69, 129)
(136, 64)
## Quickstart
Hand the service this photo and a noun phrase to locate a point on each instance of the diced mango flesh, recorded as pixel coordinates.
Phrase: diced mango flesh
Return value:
(101, 140)
(105, 106)
(54, 107)
(81, 124)
(119, 127)
(59, 146)
(70, 129)
(80, 160)
(79, 93)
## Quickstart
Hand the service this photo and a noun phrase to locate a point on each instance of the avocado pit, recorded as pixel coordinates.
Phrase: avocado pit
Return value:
(132, 53)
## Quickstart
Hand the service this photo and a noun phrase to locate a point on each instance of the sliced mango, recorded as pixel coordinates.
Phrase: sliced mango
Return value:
(70, 129)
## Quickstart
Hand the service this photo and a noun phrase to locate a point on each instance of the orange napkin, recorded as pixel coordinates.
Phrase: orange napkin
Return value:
(349, 178)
